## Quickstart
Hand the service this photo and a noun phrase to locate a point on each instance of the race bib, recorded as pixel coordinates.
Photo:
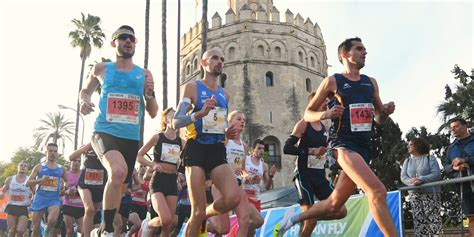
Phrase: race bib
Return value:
(250, 192)
(316, 162)
(74, 198)
(94, 177)
(123, 108)
(17, 197)
(215, 121)
(361, 116)
(235, 157)
(139, 196)
(51, 184)
(170, 153)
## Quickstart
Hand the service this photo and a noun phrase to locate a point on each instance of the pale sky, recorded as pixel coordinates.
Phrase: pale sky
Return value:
(412, 47)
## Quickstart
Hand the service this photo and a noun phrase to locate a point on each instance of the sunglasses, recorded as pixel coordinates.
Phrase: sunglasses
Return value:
(127, 36)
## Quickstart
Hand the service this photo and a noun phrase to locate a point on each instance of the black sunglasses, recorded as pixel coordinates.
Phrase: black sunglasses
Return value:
(127, 36)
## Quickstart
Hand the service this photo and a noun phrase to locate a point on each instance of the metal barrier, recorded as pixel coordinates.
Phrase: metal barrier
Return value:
(439, 184)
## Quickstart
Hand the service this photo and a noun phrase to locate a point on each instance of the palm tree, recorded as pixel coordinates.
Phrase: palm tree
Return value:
(86, 34)
(165, 54)
(55, 129)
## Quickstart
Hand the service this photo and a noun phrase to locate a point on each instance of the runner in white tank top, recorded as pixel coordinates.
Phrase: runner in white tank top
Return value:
(19, 198)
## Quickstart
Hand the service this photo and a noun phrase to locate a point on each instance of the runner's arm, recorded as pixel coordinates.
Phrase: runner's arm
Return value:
(267, 177)
(181, 117)
(32, 181)
(92, 82)
(325, 89)
(145, 148)
(150, 100)
(290, 144)
(382, 111)
(77, 153)
(5, 187)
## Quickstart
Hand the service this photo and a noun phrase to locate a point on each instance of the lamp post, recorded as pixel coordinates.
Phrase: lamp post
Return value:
(83, 125)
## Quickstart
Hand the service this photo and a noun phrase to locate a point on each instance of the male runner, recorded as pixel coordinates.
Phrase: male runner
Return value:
(205, 153)
(355, 103)
(49, 176)
(126, 90)
(19, 198)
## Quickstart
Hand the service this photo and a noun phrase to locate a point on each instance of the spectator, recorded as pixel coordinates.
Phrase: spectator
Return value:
(420, 168)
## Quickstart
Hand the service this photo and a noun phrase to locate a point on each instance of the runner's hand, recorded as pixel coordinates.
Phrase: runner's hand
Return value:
(158, 168)
(209, 104)
(149, 86)
(334, 112)
(86, 107)
(272, 171)
(231, 132)
(238, 171)
(389, 108)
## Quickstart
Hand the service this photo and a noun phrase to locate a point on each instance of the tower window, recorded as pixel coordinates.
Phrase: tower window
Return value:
(195, 63)
(308, 85)
(300, 56)
(231, 53)
(312, 62)
(269, 78)
(260, 50)
(277, 52)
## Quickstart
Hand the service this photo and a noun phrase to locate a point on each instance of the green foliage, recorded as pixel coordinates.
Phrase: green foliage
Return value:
(459, 103)
(388, 152)
(86, 34)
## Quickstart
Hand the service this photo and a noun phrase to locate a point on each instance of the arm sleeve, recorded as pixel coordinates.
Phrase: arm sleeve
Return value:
(291, 149)
(181, 118)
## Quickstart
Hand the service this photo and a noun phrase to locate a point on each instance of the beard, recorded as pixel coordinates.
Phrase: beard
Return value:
(216, 72)
(122, 53)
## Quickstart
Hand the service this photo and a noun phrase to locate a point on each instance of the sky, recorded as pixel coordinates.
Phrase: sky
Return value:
(412, 47)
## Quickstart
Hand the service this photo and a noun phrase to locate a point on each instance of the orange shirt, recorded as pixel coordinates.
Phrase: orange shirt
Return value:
(3, 204)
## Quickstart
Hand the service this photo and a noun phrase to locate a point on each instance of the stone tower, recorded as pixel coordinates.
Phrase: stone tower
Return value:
(271, 66)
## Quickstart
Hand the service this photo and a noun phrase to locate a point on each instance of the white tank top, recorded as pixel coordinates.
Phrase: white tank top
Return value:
(18, 193)
(235, 152)
(253, 190)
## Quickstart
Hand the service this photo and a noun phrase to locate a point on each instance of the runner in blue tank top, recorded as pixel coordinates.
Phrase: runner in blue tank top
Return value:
(126, 90)
(47, 176)
(204, 153)
(355, 105)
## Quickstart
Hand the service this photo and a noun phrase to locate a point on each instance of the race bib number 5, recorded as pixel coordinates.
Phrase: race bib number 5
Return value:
(361, 116)
(123, 108)
(215, 121)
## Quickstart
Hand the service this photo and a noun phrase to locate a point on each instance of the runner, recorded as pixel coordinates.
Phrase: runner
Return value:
(90, 186)
(205, 153)
(19, 198)
(255, 170)
(73, 209)
(164, 189)
(355, 102)
(49, 176)
(249, 218)
(126, 90)
(311, 178)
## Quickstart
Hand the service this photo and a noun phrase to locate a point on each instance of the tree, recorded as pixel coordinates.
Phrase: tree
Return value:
(86, 34)
(147, 32)
(388, 152)
(165, 54)
(459, 103)
(55, 129)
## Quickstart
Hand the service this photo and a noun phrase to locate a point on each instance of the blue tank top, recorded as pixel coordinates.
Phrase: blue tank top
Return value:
(121, 103)
(52, 187)
(312, 139)
(355, 124)
(211, 128)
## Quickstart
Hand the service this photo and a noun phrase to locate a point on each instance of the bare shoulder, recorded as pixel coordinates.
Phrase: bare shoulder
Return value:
(190, 90)
(99, 68)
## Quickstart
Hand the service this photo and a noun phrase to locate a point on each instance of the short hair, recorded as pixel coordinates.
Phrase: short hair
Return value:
(163, 118)
(346, 46)
(421, 145)
(256, 142)
(232, 115)
(460, 120)
(52, 144)
(126, 27)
